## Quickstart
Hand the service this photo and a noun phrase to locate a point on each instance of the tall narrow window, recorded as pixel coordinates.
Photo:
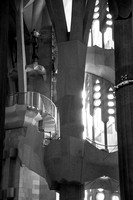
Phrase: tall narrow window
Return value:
(100, 113)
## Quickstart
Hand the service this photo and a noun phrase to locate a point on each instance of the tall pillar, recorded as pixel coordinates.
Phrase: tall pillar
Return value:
(70, 80)
(124, 103)
(4, 7)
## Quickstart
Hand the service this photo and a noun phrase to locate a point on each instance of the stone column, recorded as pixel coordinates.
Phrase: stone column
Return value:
(70, 80)
(124, 104)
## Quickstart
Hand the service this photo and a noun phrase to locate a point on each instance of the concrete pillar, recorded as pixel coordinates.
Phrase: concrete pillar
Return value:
(70, 80)
(124, 104)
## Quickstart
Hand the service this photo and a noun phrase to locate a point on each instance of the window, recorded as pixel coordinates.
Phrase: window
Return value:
(100, 196)
(99, 112)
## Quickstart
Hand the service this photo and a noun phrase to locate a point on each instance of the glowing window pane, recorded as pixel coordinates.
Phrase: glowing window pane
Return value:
(100, 189)
(97, 81)
(107, 9)
(97, 114)
(110, 89)
(83, 94)
(109, 16)
(111, 119)
(111, 111)
(57, 196)
(110, 103)
(90, 40)
(97, 95)
(100, 196)
(115, 197)
(96, 34)
(97, 102)
(108, 38)
(96, 9)
(110, 96)
(90, 197)
(97, 2)
(97, 88)
(86, 195)
(109, 22)
(96, 15)
(88, 84)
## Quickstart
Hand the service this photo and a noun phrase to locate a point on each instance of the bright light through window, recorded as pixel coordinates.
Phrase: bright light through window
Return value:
(68, 12)
(107, 9)
(98, 124)
(108, 38)
(97, 88)
(84, 113)
(111, 111)
(95, 115)
(110, 96)
(57, 196)
(90, 39)
(97, 102)
(90, 198)
(96, 9)
(96, 34)
(97, 2)
(89, 123)
(115, 197)
(96, 15)
(100, 189)
(109, 22)
(110, 103)
(111, 89)
(100, 196)
(109, 16)
(86, 195)
(97, 95)
(111, 119)
(97, 81)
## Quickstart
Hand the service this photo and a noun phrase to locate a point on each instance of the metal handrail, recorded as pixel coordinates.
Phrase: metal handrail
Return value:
(102, 146)
(33, 100)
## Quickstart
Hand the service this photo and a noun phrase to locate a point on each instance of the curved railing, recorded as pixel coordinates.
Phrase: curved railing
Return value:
(109, 148)
(34, 100)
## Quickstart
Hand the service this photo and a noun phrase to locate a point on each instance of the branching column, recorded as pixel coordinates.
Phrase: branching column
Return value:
(70, 79)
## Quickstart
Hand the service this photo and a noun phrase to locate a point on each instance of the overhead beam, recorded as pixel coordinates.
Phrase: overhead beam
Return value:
(37, 11)
(78, 8)
(57, 15)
